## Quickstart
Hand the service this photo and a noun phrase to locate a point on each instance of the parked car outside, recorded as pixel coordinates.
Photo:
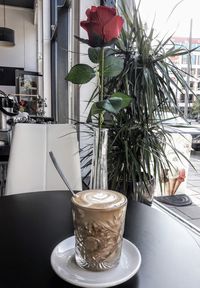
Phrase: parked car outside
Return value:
(177, 124)
(196, 143)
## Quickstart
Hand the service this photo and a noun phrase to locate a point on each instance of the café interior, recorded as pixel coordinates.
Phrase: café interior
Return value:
(38, 108)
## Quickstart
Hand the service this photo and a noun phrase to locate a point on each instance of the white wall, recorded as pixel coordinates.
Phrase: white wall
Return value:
(23, 54)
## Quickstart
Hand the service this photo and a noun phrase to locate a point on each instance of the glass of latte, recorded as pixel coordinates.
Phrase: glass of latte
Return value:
(98, 217)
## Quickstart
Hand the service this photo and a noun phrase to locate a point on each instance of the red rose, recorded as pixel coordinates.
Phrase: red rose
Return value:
(102, 25)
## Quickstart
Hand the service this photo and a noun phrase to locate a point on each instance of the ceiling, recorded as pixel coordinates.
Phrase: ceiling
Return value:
(19, 3)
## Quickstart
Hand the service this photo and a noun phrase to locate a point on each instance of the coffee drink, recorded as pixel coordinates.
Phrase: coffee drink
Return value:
(99, 217)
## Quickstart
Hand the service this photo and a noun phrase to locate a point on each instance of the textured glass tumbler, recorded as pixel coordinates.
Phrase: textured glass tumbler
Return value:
(99, 217)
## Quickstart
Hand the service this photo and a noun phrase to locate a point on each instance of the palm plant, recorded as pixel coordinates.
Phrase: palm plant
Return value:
(137, 137)
(137, 84)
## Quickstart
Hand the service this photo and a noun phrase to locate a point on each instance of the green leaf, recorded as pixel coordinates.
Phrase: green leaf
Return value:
(80, 74)
(113, 66)
(125, 99)
(109, 52)
(93, 54)
(95, 110)
(106, 105)
(116, 103)
(112, 106)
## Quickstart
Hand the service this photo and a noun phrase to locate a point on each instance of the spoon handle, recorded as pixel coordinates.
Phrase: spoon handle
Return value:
(60, 172)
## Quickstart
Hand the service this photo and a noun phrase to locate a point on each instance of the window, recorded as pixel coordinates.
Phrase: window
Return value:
(193, 59)
(190, 98)
(182, 98)
(184, 59)
(198, 86)
(191, 84)
(193, 71)
(198, 60)
(62, 107)
(194, 45)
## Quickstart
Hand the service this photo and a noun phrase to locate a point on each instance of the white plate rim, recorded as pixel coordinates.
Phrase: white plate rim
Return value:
(103, 284)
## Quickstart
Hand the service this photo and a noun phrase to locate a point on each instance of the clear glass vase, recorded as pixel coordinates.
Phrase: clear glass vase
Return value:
(99, 174)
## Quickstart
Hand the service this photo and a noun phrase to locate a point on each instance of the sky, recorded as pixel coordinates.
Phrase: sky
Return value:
(178, 22)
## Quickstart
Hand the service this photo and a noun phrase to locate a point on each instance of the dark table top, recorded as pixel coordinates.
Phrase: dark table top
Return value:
(33, 224)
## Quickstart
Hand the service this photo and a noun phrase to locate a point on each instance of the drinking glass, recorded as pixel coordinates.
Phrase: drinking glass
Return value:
(98, 217)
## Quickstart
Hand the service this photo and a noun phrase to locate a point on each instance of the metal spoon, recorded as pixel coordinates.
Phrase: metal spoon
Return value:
(61, 173)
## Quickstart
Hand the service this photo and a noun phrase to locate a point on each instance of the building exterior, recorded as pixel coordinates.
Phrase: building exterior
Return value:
(190, 65)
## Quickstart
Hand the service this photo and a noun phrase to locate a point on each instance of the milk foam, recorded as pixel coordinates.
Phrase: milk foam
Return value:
(99, 199)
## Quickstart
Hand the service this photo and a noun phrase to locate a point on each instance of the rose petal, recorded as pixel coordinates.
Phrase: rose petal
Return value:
(102, 25)
(105, 14)
(113, 28)
(92, 28)
(94, 33)
(92, 24)
(89, 11)
(84, 24)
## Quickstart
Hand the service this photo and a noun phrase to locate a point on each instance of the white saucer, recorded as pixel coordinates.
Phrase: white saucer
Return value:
(63, 263)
